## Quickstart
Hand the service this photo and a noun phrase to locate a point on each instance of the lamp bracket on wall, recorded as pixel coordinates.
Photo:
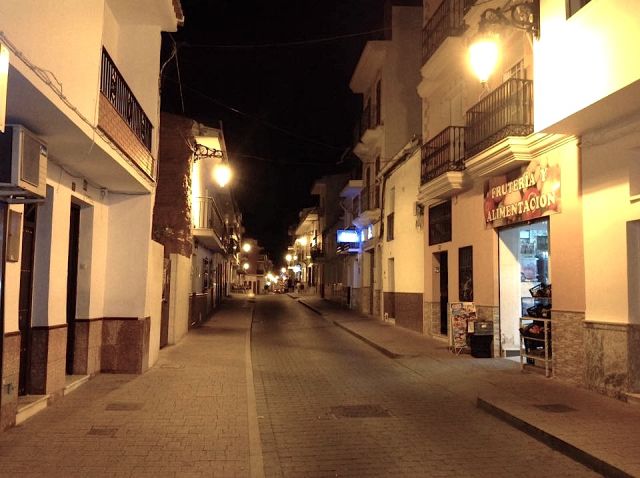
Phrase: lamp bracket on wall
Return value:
(522, 15)
(200, 151)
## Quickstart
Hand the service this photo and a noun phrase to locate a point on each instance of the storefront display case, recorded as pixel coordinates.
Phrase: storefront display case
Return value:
(535, 343)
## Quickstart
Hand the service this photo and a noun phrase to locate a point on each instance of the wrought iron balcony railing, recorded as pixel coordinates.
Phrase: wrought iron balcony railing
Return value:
(506, 111)
(446, 21)
(369, 199)
(116, 90)
(443, 153)
(205, 215)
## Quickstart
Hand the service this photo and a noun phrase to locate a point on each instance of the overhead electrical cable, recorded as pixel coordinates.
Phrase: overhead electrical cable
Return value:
(285, 44)
(260, 120)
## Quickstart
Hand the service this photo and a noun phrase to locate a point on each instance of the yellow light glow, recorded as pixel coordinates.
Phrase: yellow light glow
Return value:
(245, 266)
(295, 258)
(288, 257)
(4, 79)
(283, 270)
(483, 57)
(302, 241)
(222, 174)
(246, 247)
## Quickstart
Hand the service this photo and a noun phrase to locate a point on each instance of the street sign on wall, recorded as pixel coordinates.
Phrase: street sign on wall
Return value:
(524, 194)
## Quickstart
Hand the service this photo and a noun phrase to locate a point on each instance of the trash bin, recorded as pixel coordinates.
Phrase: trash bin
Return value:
(481, 341)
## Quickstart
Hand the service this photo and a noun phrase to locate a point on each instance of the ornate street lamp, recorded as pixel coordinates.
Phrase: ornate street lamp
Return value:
(484, 52)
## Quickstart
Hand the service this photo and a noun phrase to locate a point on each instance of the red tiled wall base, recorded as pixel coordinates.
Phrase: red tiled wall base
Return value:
(406, 308)
(48, 360)
(125, 345)
(88, 347)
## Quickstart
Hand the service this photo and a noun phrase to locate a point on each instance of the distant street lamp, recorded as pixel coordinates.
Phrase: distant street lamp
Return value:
(283, 270)
(288, 257)
(246, 247)
(245, 266)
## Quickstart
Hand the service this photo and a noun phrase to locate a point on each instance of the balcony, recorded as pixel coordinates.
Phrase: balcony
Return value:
(506, 111)
(446, 21)
(122, 118)
(369, 207)
(208, 225)
(443, 153)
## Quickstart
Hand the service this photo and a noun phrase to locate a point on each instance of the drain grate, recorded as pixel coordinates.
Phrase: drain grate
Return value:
(360, 411)
(123, 406)
(555, 408)
(103, 431)
(174, 366)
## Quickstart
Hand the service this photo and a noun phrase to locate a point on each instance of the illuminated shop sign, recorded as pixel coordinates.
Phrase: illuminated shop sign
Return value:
(524, 194)
(348, 241)
(347, 235)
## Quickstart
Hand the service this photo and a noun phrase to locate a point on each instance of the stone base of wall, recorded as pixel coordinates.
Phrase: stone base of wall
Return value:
(612, 358)
(431, 319)
(88, 346)
(48, 360)
(10, 378)
(377, 296)
(356, 299)
(567, 341)
(407, 308)
(365, 295)
(125, 345)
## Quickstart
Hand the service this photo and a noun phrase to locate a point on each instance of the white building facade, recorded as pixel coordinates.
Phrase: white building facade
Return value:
(82, 287)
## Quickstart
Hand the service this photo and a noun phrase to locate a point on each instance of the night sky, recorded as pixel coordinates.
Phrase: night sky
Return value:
(287, 111)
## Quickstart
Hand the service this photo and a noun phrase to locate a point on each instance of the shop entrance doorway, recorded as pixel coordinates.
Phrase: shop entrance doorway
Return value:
(524, 264)
(26, 290)
(442, 267)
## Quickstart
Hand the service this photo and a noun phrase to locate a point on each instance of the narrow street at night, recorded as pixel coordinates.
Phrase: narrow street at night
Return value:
(330, 405)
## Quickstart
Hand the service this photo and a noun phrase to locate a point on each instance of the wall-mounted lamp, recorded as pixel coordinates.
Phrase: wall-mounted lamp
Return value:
(221, 171)
(484, 51)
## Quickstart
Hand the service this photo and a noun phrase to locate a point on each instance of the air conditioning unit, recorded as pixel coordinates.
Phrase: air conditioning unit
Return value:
(23, 165)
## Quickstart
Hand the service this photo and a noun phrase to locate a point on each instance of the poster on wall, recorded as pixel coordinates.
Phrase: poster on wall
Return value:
(462, 316)
(524, 194)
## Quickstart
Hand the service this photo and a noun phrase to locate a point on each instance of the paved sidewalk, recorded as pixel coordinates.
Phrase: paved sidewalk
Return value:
(599, 431)
(192, 414)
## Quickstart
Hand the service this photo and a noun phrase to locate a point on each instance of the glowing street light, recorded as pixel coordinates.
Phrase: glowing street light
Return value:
(245, 266)
(483, 56)
(246, 247)
(302, 241)
(283, 270)
(222, 174)
(288, 257)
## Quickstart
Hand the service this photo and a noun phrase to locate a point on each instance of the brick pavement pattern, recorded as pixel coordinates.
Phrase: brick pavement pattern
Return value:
(187, 416)
(598, 430)
(308, 373)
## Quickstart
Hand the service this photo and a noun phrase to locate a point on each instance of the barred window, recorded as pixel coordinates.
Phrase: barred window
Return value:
(440, 223)
(465, 273)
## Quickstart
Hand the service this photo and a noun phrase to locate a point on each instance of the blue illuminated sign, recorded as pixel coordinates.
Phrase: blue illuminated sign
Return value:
(347, 236)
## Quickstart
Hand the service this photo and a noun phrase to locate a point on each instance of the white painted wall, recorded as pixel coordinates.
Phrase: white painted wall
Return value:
(400, 78)
(584, 58)
(64, 38)
(608, 207)
(407, 248)
(154, 299)
(12, 282)
(128, 248)
(50, 267)
(180, 291)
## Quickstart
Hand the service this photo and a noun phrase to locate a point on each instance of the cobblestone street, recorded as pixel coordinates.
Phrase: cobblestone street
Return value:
(329, 405)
